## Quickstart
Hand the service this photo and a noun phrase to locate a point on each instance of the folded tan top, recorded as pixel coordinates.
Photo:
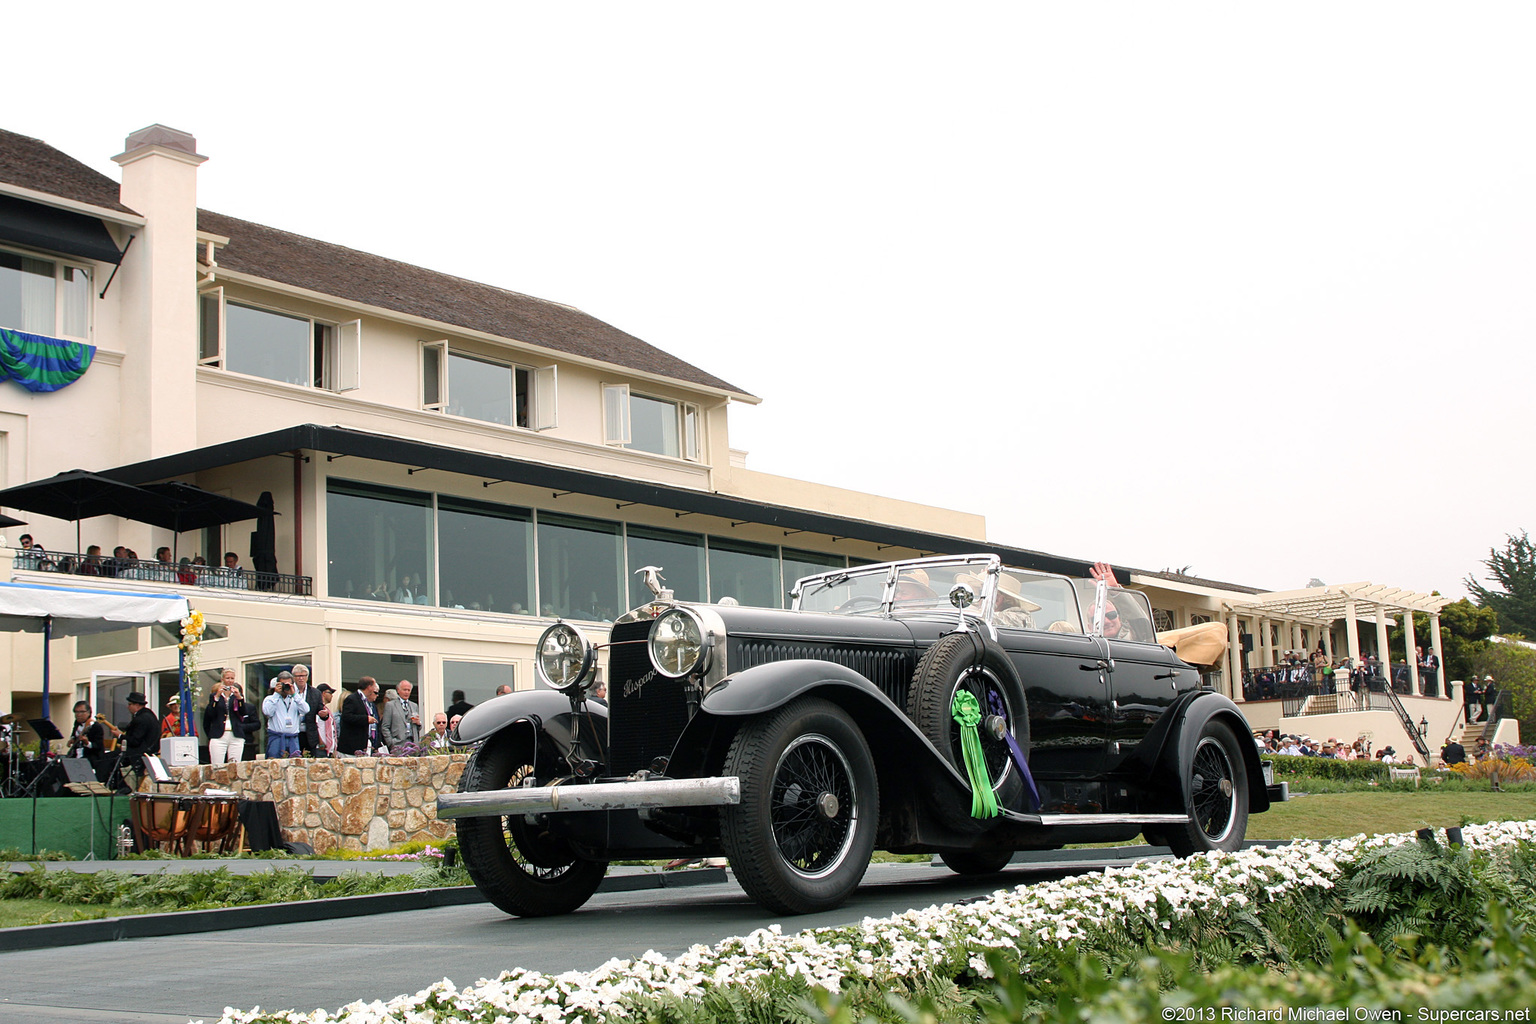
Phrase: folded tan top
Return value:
(1198, 645)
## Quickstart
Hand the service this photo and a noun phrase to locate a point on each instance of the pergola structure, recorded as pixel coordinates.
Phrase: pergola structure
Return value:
(1320, 608)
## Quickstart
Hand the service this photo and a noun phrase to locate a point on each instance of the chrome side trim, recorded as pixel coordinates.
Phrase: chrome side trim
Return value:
(596, 796)
(1114, 819)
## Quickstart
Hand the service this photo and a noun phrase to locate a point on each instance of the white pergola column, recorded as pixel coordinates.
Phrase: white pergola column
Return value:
(1297, 643)
(1411, 651)
(1352, 632)
(1234, 658)
(1261, 642)
(1434, 640)
(1381, 642)
(1327, 632)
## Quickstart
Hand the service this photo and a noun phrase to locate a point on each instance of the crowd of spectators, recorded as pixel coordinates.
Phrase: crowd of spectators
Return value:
(125, 564)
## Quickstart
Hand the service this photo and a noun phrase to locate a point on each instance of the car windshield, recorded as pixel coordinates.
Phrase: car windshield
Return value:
(909, 586)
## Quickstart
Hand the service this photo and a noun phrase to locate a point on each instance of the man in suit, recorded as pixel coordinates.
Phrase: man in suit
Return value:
(142, 736)
(402, 717)
(360, 719)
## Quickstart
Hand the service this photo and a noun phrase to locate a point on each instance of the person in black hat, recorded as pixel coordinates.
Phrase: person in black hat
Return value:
(141, 735)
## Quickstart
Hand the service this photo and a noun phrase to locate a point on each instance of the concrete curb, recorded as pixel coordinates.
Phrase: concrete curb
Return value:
(188, 922)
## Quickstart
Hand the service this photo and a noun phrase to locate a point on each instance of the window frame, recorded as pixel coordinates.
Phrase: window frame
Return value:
(59, 266)
(618, 422)
(337, 368)
(543, 385)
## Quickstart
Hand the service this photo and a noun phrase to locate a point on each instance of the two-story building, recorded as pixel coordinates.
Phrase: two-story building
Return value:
(452, 464)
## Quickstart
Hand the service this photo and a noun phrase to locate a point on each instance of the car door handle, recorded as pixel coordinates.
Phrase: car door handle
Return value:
(1099, 666)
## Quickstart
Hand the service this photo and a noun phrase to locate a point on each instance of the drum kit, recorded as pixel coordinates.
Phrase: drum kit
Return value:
(16, 781)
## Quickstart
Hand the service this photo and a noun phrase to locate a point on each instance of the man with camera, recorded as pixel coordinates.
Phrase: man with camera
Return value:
(285, 717)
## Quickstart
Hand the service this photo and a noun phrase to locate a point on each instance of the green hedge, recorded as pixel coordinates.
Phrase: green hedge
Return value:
(1292, 767)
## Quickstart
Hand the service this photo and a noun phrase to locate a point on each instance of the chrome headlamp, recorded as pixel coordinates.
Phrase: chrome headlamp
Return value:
(563, 658)
(678, 644)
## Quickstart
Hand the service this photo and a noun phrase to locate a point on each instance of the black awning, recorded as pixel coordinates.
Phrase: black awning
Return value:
(344, 441)
(63, 231)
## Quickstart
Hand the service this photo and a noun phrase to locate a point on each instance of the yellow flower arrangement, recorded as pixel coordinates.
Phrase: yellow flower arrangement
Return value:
(191, 640)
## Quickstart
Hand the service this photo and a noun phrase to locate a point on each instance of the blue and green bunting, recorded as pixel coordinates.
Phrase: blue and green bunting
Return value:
(42, 364)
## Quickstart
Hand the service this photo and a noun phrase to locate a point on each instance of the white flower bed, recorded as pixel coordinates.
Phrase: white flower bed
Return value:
(1047, 913)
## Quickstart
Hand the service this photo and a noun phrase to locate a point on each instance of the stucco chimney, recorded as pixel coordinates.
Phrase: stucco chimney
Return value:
(159, 305)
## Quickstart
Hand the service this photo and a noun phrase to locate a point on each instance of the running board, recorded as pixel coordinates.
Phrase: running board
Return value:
(1099, 819)
(591, 796)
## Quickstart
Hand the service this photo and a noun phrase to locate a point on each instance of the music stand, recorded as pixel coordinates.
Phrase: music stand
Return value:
(82, 782)
(157, 773)
(45, 729)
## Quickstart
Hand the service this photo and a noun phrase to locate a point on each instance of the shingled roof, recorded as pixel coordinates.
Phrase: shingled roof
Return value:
(32, 163)
(281, 256)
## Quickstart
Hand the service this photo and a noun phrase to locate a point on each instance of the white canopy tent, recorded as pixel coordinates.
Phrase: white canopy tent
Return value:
(73, 611)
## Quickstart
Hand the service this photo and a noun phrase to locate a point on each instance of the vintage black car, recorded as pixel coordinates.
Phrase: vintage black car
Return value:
(796, 742)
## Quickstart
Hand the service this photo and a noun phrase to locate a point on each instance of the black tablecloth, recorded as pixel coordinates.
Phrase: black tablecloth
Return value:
(262, 831)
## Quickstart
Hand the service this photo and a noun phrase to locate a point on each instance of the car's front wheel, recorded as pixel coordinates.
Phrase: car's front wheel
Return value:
(1215, 795)
(518, 865)
(801, 837)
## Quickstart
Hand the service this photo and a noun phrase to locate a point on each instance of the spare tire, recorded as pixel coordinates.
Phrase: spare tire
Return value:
(971, 661)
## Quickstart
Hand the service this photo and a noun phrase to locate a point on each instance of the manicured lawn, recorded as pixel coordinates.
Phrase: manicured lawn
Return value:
(1338, 815)
(15, 913)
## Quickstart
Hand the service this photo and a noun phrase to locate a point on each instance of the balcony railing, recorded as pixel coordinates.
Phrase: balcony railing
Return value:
(214, 577)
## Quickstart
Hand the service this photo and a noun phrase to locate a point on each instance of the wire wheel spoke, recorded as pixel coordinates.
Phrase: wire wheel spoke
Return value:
(989, 694)
(811, 779)
(1211, 789)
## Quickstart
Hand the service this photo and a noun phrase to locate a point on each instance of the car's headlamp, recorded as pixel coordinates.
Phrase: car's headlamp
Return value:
(563, 657)
(677, 643)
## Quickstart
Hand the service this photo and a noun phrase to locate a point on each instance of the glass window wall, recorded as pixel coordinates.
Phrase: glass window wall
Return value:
(379, 540)
(747, 572)
(484, 551)
(680, 555)
(478, 680)
(581, 562)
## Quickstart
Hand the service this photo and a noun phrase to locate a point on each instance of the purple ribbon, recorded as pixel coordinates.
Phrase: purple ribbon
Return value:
(997, 707)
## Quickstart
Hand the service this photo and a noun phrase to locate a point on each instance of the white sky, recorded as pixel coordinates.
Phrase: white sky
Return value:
(1242, 288)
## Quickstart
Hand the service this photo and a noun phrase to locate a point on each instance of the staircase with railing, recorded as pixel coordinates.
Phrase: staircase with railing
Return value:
(1406, 719)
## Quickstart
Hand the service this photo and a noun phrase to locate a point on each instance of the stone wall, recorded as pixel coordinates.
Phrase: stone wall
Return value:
(352, 803)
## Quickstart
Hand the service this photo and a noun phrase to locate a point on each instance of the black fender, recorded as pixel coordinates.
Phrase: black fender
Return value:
(900, 750)
(545, 711)
(1165, 754)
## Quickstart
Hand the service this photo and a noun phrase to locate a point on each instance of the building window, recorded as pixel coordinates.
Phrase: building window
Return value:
(388, 669)
(278, 346)
(647, 424)
(1163, 620)
(483, 389)
(748, 573)
(39, 296)
(485, 555)
(99, 645)
(680, 556)
(807, 563)
(379, 540)
(580, 566)
(477, 679)
(1199, 619)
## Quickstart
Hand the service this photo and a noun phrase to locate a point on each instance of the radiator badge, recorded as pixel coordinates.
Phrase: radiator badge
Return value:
(634, 686)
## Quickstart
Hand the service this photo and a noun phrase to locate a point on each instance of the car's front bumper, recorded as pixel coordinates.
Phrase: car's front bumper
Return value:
(592, 796)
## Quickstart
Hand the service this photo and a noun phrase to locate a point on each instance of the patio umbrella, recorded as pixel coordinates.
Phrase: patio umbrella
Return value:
(75, 611)
(78, 495)
(196, 509)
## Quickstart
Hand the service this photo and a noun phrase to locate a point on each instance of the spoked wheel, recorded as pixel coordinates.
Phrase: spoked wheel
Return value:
(801, 837)
(953, 664)
(1215, 795)
(520, 867)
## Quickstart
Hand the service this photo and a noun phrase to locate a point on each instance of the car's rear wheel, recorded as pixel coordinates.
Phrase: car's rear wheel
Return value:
(1216, 798)
(519, 866)
(976, 862)
(801, 837)
(971, 662)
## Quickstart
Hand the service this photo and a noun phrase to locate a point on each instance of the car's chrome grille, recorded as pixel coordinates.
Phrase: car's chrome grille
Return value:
(646, 711)
(888, 668)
